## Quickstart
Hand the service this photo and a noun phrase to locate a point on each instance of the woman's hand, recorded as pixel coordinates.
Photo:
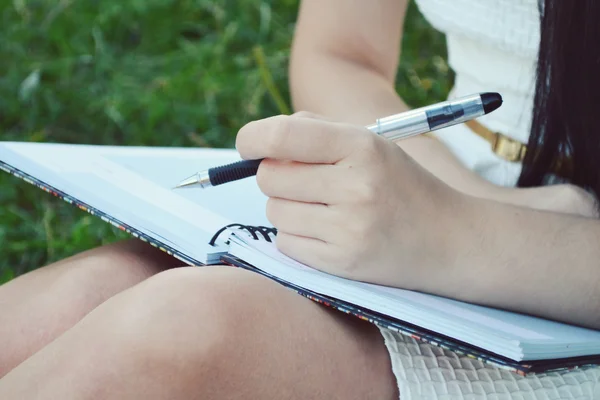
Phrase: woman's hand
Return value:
(349, 202)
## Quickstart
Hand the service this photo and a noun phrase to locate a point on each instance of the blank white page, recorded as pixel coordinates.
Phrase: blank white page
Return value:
(135, 185)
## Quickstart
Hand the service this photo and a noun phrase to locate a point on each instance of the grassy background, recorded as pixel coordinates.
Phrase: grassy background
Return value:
(148, 72)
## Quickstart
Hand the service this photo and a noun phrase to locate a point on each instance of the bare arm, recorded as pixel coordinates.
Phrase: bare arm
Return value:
(525, 260)
(344, 60)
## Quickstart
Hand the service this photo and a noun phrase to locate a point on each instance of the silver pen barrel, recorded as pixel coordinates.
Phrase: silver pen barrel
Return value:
(429, 118)
(402, 125)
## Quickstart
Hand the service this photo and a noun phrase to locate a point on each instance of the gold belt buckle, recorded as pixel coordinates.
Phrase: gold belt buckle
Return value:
(508, 148)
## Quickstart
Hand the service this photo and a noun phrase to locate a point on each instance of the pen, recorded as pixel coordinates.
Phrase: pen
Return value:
(394, 127)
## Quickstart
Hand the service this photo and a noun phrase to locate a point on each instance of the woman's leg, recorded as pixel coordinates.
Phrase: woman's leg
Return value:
(209, 333)
(39, 306)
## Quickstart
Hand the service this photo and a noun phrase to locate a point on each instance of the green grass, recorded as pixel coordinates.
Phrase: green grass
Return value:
(148, 72)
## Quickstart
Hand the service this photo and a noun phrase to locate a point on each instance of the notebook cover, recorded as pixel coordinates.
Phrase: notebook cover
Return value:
(433, 338)
(367, 315)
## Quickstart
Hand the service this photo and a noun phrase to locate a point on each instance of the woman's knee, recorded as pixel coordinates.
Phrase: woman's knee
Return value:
(220, 328)
(194, 312)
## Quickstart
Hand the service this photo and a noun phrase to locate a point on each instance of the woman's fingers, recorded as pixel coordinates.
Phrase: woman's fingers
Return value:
(309, 251)
(301, 219)
(309, 183)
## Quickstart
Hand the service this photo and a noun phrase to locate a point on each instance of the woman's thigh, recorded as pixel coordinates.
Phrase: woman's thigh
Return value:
(37, 307)
(210, 333)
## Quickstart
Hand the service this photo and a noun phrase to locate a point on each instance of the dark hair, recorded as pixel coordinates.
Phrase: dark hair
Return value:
(567, 97)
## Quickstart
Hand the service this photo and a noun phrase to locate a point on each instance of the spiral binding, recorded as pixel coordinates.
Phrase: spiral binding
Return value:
(265, 231)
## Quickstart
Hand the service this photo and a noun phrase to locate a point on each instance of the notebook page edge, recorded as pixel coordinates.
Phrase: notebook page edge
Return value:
(591, 342)
(14, 153)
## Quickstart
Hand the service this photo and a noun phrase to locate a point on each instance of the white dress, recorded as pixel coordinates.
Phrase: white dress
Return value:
(492, 47)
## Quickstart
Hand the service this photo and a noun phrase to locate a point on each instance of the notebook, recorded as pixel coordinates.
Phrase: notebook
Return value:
(131, 188)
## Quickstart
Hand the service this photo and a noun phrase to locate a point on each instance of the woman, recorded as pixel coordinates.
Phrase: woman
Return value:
(100, 325)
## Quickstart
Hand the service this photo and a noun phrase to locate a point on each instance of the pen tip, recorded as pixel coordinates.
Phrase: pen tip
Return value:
(192, 180)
